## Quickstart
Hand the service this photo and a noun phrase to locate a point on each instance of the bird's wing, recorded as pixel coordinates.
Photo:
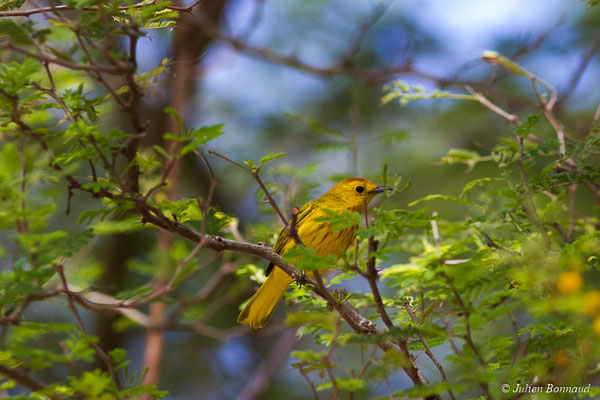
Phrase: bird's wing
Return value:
(283, 238)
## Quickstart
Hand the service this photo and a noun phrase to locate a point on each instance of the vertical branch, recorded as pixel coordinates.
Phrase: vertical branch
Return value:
(310, 384)
(572, 217)
(468, 337)
(436, 233)
(595, 119)
(372, 275)
(358, 324)
(22, 225)
(428, 349)
(211, 191)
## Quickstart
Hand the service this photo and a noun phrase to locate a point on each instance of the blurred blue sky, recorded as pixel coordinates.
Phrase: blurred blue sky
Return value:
(233, 81)
(247, 93)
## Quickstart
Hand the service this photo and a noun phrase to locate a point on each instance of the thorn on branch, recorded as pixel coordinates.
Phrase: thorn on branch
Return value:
(292, 228)
(69, 196)
(491, 243)
(301, 279)
(562, 233)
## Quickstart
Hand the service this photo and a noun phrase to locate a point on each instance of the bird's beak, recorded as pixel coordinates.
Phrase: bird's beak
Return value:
(380, 189)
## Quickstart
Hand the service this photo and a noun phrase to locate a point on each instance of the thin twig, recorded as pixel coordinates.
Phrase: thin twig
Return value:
(595, 119)
(468, 336)
(372, 275)
(21, 377)
(572, 217)
(506, 115)
(292, 228)
(76, 67)
(99, 351)
(491, 243)
(562, 233)
(428, 349)
(436, 234)
(258, 180)
(363, 27)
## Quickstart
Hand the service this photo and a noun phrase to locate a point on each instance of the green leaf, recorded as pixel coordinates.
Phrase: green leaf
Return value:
(309, 356)
(271, 157)
(175, 138)
(464, 156)
(443, 197)
(343, 384)
(306, 258)
(117, 355)
(80, 347)
(161, 151)
(173, 113)
(19, 34)
(201, 136)
(115, 227)
(129, 293)
(10, 4)
(395, 136)
(527, 127)
(92, 384)
(431, 342)
(73, 243)
(340, 221)
(417, 392)
(474, 183)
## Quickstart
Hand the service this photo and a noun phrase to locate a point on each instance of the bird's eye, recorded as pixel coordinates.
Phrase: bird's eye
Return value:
(360, 189)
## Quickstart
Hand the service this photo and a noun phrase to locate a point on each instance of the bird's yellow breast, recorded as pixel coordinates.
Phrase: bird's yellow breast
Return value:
(321, 237)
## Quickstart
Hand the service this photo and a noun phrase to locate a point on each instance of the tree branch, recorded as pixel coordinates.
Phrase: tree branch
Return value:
(99, 351)
(468, 336)
(428, 349)
(42, 10)
(258, 180)
(20, 376)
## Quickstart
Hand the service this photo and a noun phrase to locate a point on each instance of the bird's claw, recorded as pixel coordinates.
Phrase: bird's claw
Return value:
(301, 279)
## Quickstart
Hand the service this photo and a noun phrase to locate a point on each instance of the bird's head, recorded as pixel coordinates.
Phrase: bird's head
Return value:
(353, 194)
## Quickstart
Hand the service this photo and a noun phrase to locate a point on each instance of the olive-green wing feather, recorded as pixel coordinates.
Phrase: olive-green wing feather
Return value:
(283, 238)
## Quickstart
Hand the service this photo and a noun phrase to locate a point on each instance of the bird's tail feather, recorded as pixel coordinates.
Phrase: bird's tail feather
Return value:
(261, 306)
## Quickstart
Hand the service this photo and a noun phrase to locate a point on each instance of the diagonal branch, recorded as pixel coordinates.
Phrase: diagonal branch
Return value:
(20, 376)
(428, 351)
(258, 180)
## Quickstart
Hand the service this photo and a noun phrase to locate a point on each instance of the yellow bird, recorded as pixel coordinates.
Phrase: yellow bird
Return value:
(351, 194)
